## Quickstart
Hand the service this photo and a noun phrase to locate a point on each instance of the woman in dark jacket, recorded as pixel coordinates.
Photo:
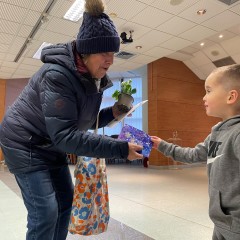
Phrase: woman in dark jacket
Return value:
(51, 117)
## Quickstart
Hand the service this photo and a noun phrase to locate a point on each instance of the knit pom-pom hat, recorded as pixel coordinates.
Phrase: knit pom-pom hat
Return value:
(97, 33)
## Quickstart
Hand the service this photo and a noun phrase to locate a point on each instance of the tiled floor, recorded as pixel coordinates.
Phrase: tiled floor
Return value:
(145, 204)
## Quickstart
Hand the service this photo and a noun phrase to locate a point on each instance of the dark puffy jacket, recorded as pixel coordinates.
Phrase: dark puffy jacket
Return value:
(53, 113)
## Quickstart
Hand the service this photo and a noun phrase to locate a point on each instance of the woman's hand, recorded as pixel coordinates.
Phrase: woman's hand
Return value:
(117, 113)
(133, 152)
(156, 141)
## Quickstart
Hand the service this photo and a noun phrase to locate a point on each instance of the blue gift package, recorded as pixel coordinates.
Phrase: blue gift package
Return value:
(134, 135)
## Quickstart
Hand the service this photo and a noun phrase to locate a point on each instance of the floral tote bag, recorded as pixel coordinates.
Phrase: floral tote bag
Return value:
(90, 207)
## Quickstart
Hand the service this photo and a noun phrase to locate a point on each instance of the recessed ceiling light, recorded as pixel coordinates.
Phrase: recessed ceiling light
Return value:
(175, 2)
(220, 36)
(138, 47)
(202, 44)
(201, 12)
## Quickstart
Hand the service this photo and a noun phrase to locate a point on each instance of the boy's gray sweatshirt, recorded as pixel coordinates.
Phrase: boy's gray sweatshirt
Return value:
(221, 151)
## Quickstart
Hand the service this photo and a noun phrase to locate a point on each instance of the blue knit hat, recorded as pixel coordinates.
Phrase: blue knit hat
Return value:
(97, 33)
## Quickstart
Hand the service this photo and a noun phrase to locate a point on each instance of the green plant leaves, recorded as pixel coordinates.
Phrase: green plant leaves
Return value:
(126, 87)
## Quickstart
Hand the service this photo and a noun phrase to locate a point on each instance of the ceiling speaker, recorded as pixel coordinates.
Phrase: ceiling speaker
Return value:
(228, 2)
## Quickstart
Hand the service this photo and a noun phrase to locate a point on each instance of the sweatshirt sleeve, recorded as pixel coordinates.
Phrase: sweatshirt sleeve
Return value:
(185, 154)
(61, 117)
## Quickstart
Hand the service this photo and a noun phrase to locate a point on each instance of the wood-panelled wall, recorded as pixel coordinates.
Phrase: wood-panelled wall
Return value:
(175, 104)
(2, 104)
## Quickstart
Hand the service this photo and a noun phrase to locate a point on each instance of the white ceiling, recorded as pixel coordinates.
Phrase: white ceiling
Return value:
(161, 28)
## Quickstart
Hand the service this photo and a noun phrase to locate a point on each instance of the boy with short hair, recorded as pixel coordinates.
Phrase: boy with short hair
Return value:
(221, 150)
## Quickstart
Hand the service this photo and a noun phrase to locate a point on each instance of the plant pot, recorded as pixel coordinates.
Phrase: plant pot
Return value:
(124, 102)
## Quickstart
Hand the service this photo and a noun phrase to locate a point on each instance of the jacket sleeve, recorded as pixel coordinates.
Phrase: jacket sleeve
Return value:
(61, 116)
(105, 117)
(185, 154)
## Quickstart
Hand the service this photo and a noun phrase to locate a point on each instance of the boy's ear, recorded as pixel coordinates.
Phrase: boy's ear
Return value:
(232, 97)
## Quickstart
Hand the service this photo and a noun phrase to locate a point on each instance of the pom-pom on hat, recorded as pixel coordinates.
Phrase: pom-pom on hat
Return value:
(97, 33)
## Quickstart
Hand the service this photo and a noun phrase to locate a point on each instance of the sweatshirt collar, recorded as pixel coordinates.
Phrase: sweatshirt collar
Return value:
(227, 123)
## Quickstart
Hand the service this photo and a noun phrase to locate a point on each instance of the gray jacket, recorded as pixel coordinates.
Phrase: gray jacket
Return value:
(221, 151)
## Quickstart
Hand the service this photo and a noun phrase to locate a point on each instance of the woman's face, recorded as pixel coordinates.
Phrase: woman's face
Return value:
(99, 63)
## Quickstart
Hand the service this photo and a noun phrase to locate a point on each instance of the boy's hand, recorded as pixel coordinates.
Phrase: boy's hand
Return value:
(156, 141)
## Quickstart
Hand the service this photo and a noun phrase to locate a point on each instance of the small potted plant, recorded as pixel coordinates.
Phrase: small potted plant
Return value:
(124, 96)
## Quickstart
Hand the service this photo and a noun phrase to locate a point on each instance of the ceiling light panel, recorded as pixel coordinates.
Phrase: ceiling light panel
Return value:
(148, 2)
(60, 8)
(9, 27)
(7, 69)
(236, 58)
(10, 64)
(143, 59)
(139, 30)
(170, 26)
(6, 38)
(125, 11)
(23, 73)
(196, 45)
(200, 59)
(75, 12)
(16, 45)
(231, 46)
(19, 3)
(226, 35)
(32, 61)
(6, 75)
(179, 56)
(190, 50)
(229, 17)
(207, 68)
(53, 37)
(39, 6)
(157, 17)
(4, 47)
(31, 18)
(235, 29)
(212, 8)
(118, 22)
(197, 33)
(176, 43)
(130, 65)
(158, 52)
(215, 52)
(235, 8)
(24, 31)
(173, 9)
(150, 40)
(12, 13)
(62, 26)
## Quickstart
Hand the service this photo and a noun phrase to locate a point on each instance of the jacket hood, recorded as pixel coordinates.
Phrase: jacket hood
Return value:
(62, 54)
(227, 123)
